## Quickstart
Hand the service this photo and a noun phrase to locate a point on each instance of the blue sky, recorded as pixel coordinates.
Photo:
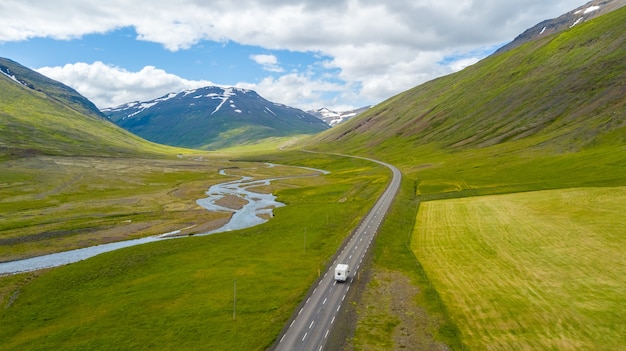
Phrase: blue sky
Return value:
(304, 53)
(223, 63)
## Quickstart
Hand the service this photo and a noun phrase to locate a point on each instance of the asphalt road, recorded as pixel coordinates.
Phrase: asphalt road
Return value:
(310, 328)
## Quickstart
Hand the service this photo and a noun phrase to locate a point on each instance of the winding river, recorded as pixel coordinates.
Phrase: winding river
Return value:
(256, 210)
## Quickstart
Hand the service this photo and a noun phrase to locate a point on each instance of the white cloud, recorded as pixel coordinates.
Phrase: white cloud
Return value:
(462, 63)
(269, 62)
(108, 86)
(381, 47)
(298, 90)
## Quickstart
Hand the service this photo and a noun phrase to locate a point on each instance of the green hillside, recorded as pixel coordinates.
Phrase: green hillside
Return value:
(550, 114)
(559, 94)
(52, 88)
(33, 122)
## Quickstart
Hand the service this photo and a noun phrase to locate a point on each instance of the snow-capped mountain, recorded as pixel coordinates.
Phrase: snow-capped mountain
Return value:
(590, 10)
(332, 118)
(212, 117)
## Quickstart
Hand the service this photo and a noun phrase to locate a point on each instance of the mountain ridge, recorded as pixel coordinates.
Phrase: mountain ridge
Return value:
(212, 117)
(586, 12)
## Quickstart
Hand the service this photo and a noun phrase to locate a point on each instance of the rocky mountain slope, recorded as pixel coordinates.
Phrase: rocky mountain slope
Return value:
(332, 118)
(212, 117)
(581, 14)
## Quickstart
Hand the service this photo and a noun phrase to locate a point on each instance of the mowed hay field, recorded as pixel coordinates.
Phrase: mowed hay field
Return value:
(542, 270)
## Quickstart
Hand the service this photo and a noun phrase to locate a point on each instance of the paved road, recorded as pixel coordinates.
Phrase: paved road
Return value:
(310, 329)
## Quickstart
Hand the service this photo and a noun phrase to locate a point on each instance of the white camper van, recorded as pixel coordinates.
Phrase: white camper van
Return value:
(341, 272)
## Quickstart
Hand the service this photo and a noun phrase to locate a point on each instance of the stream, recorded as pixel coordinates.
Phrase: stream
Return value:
(255, 211)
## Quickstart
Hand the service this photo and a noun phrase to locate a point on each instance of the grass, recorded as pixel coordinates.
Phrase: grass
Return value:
(50, 204)
(431, 173)
(178, 294)
(537, 270)
(33, 123)
(378, 324)
(434, 174)
(53, 89)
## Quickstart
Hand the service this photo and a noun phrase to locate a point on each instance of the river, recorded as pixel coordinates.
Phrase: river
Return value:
(257, 209)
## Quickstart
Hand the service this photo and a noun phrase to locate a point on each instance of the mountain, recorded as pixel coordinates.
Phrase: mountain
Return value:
(562, 92)
(584, 13)
(212, 117)
(40, 116)
(332, 118)
(52, 88)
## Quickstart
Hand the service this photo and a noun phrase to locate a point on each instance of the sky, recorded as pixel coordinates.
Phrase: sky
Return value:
(339, 54)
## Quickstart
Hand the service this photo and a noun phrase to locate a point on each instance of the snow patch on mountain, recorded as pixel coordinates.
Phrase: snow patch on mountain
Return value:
(167, 97)
(224, 95)
(586, 12)
(591, 9)
(577, 21)
(269, 110)
(12, 77)
(200, 118)
(332, 118)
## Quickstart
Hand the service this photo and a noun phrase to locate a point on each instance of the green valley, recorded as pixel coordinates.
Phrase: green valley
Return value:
(71, 180)
(507, 232)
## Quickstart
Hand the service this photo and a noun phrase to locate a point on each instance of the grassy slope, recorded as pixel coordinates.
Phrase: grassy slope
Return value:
(178, 294)
(558, 94)
(53, 89)
(32, 123)
(549, 115)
